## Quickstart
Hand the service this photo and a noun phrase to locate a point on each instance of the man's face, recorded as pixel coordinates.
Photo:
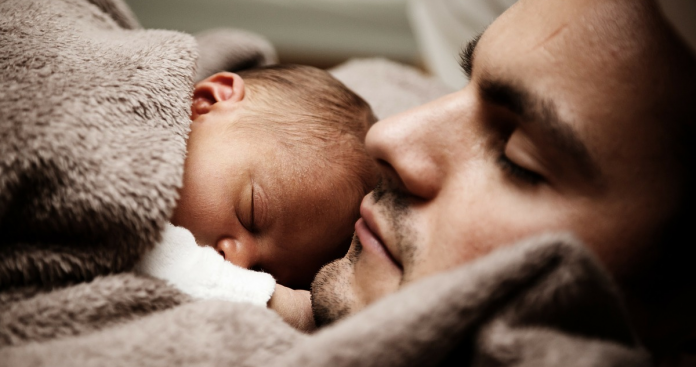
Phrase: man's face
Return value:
(555, 132)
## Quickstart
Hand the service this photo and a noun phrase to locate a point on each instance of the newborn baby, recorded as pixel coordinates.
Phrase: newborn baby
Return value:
(273, 180)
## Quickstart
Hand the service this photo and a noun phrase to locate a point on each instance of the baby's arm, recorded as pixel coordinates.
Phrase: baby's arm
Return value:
(201, 272)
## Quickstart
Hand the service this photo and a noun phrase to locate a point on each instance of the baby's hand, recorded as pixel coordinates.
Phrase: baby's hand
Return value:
(294, 306)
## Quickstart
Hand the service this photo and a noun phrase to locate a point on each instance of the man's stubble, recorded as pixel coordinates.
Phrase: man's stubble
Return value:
(332, 293)
(332, 298)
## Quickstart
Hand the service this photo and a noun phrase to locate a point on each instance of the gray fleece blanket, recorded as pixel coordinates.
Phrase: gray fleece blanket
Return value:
(93, 125)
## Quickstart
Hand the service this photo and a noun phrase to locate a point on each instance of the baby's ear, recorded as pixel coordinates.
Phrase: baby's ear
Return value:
(219, 87)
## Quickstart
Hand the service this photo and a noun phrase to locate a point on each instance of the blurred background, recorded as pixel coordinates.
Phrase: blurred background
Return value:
(317, 32)
(427, 34)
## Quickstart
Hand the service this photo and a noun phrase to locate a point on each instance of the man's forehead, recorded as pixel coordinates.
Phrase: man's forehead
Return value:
(588, 55)
(606, 27)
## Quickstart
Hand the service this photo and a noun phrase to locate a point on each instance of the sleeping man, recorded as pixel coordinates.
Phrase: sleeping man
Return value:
(274, 174)
(579, 117)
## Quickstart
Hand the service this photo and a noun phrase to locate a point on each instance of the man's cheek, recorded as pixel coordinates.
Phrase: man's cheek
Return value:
(332, 295)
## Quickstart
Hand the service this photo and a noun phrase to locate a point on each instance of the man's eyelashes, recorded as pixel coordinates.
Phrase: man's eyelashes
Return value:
(517, 172)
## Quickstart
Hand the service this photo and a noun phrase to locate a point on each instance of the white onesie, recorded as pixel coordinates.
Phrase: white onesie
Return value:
(201, 272)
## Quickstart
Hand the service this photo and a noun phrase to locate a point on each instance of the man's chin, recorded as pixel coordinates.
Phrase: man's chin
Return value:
(332, 295)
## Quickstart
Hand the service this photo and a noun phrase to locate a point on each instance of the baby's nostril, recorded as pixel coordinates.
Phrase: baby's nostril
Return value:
(222, 253)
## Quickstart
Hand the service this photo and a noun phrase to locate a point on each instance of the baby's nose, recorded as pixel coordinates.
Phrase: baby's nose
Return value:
(240, 253)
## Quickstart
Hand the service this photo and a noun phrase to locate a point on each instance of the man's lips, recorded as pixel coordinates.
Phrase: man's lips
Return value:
(370, 238)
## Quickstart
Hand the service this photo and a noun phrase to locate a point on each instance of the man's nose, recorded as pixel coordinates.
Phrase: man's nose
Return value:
(239, 252)
(406, 147)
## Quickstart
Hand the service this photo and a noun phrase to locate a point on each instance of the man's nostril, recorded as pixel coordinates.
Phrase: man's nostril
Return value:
(222, 253)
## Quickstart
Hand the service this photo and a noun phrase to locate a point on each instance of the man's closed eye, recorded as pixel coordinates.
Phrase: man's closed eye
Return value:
(518, 172)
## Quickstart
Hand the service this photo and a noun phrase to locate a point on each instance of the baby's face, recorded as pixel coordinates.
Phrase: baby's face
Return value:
(258, 205)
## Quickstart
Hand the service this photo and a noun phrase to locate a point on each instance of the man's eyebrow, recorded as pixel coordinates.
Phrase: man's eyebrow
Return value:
(466, 56)
(542, 114)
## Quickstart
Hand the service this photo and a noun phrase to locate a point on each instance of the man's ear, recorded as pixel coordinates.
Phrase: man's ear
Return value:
(217, 88)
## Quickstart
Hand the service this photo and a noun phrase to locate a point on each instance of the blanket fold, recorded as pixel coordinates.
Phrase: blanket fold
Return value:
(477, 315)
(532, 304)
(83, 308)
(214, 45)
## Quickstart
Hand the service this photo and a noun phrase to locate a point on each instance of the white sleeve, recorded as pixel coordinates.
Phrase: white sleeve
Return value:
(201, 272)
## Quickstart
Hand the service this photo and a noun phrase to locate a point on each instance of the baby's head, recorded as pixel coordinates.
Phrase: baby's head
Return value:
(276, 169)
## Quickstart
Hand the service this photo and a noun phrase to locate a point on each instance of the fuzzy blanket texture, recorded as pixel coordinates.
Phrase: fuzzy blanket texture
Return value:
(93, 125)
